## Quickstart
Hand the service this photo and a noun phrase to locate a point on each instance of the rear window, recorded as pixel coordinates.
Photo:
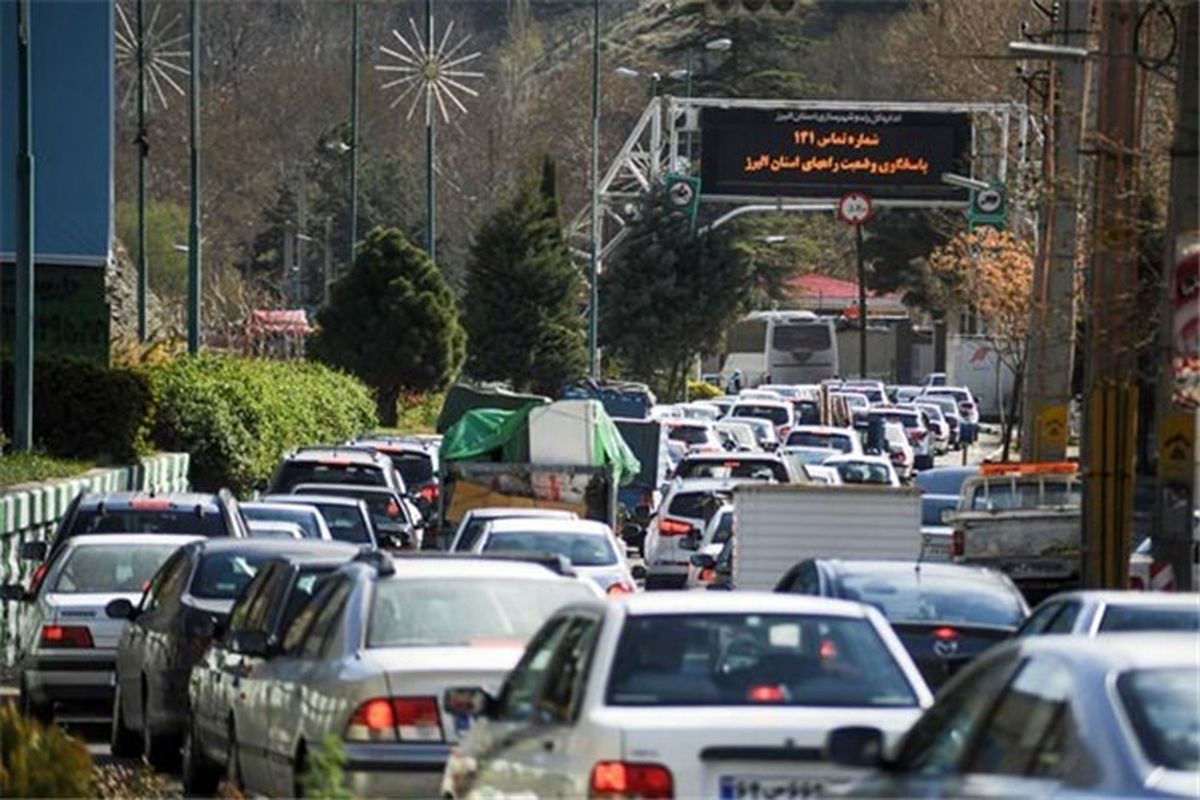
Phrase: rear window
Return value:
(758, 469)
(1163, 706)
(803, 336)
(583, 549)
(1150, 618)
(110, 568)
(808, 412)
(306, 518)
(346, 524)
(222, 576)
(863, 472)
(930, 597)
(688, 434)
(833, 441)
(387, 513)
(777, 415)
(294, 473)
(1009, 495)
(907, 420)
(754, 659)
(206, 522)
(415, 468)
(695, 505)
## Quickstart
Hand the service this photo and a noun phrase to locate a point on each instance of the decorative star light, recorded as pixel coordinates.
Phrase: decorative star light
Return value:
(163, 58)
(432, 73)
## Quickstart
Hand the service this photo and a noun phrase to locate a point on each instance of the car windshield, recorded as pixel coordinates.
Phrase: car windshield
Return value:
(831, 441)
(1130, 618)
(863, 472)
(110, 568)
(907, 420)
(583, 549)
(758, 469)
(777, 415)
(1164, 707)
(688, 434)
(448, 612)
(304, 517)
(205, 522)
(913, 595)
(222, 576)
(414, 468)
(753, 659)
(295, 473)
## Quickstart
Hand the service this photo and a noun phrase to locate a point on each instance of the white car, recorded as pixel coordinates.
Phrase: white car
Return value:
(1096, 612)
(936, 421)
(706, 412)
(844, 440)
(696, 435)
(710, 541)
(471, 526)
(780, 413)
(66, 644)
(864, 469)
(687, 694)
(821, 474)
(590, 546)
(684, 511)
(737, 436)
(764, 431)
(308, 518)
(900, 449)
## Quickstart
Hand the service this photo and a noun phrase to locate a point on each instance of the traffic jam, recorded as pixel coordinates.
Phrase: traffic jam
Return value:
(786, 591)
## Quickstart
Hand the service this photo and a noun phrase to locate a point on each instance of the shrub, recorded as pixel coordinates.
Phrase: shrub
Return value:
(37, 760)
(702, 390)
(419, 412)
(236, 416)
(325, 777)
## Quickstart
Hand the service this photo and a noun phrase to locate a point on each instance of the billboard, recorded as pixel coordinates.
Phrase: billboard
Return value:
(816, 153)
(72, 59)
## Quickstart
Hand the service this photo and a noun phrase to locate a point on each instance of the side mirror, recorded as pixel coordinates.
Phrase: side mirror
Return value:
(33, 551)
(121, 608)
(855, 746)
(638, 571)
(13, 591)
(473, 701)
(704, 561)
(641, 514)
(689, 542)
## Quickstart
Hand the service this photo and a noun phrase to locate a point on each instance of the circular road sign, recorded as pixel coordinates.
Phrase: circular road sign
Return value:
(854, 208)
(989, 201)
(682, 194)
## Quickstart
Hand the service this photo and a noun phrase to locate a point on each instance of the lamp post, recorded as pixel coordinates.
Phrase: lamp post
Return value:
(23, 357)
(193, 300)
(355, 37)
(594, 242)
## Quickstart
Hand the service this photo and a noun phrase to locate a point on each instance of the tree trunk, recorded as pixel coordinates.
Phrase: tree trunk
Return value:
(1013, 400)
(386, 398)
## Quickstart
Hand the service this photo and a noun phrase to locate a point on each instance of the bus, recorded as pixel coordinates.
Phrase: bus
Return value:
(781, 347)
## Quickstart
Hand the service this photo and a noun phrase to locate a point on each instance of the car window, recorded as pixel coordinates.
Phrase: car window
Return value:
(1029, 730)
(777, 415)
(936, 743)
(863, 472)
(326, 619)
(470, 534)
(303, 588)
(1064, 621)
(294, 473)
(304, 620)
(688, 434)
(169, 585)
(306, 518)
(930, 595)
(269, 598)
(757, 469)
(562, 691)
(1164, 707)
(223, 575)
(582, 549)
(831, 441)
(415, 468)
(1042, 616)
(516, 700)
(693, 505)
(110, 568)
(724, 529)
(203, 522)
(346, 523)
(1150, 618)
(241, 608)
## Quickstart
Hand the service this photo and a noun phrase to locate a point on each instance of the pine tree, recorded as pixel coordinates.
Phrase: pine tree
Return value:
(392, 321)
(522, 305)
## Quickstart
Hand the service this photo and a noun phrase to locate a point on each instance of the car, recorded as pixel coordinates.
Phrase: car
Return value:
(936, 535)
(168, 632)
(417, 463)
(695, 435)
(65, 649)
(949, 408)
(751, 466)
(937, 424)
(864, 469)
(369, 659)
(809, 456)
(899, 450)
(944, 480)
(968, 409)
(919, 437)
(211, 515)
(311, 523)
(687, 694)
(710, 541)
(705, 412)
(737, 436)
(475, 520)
(397, 521)
(874, 390)
(335, 464)
(844, 440)
(258, 620)
(1052, 716)
(686, 509)
(590, 546)
(764, 431)
(348, 518)
(1090, 613)
(779, 413)
(945, 614)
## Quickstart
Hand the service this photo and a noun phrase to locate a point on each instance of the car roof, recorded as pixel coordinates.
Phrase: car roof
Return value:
(282, 547)
(418, 566)
(139, 539)
(708, 484)
(123, 501)
(763, 401)
(390, 446)
(850, 458)
(272, 505)
(823, 429)
(719, 458)
(1119, 651)
(1130, 598)
(738, 602)
(361, 455)
(501, 512)
(879, 566)
(312, 499)
(357, 488)
(542, 525)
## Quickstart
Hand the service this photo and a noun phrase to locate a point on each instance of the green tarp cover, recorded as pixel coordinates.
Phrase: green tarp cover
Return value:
(461, 399)
(497, 435)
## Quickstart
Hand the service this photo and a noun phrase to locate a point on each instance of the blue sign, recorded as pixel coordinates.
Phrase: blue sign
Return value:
(73, 119)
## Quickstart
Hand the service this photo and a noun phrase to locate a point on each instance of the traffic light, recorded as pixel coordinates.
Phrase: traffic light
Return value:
(725, 7)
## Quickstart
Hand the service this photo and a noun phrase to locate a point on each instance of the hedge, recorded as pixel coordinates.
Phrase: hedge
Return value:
(237, 416)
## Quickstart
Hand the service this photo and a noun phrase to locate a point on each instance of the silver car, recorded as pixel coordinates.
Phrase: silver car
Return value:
(590, 546)
(308, 518)
(369, 659)
(66, 645)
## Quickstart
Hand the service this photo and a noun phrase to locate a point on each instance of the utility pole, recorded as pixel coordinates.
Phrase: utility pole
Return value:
(862, 301)
(26, 243)
(1177, 486)
(194, 282)
(355, 37)
(594, 272)
(1044, 431)
(1111, 393)
(430, 152)
(143, 145)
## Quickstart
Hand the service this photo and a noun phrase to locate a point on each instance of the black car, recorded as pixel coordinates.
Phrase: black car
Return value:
(209, 515)
(944, 614)
(398, 522)
(417, 463)
(348, 518)
(338, 464)
(167, 633)
(257, 622)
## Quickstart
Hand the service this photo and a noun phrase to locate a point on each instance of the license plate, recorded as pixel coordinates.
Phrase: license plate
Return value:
(774, 787)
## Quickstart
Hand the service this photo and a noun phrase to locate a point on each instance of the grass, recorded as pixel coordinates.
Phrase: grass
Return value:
(32, 467)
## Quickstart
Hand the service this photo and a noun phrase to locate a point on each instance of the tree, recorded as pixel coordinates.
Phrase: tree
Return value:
(522, 305)
(392, 321)
(990, 272)
(668, 295)
(166, 227)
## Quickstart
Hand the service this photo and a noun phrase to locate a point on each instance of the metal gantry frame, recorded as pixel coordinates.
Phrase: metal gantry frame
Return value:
(652, 150)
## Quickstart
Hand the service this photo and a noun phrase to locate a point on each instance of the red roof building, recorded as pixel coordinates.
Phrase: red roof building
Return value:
(824, 293)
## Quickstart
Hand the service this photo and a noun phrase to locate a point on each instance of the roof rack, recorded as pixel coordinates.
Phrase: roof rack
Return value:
(381, 561)
(555, 562)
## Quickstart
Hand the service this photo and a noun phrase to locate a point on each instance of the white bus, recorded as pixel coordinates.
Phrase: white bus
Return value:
(781, 347)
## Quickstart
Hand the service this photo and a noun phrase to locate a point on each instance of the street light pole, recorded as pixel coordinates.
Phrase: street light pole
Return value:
(355, 37)
(430, 152)
(143, 279)
(23, 357)
(594, 283)
(194, 211)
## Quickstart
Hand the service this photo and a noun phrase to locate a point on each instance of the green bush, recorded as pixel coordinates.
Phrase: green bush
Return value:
(86, 410)
(236, 416)
(40, 761)
(18, 468)
(325, 777)
(702, 390)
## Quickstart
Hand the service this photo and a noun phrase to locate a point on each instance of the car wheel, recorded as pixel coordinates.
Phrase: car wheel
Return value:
(122, 741)
(40, 711)
(158, 750)
(233, 762)
(200, 779)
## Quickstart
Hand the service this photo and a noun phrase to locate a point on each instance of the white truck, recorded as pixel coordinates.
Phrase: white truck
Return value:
(777, 525)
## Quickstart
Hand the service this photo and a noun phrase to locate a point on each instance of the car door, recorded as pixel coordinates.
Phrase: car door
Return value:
(161, 630)
(133, 651)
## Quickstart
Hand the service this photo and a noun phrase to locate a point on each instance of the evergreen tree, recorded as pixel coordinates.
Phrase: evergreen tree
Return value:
(392, 321)
(669, 295)
(522, 305)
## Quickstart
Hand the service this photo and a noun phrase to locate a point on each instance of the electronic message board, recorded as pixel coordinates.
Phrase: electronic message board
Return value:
(825, 153)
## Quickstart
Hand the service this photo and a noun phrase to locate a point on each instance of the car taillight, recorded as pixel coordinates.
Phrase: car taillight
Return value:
(957, 547)
(673, 527)
(150, 504)
(614, 779)
(945, 633)
(784, 430)
(618, 589)
(39, 575)
(66, 636)
(707, 575)
(429, 493)
(767, 694)
(410, 719)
